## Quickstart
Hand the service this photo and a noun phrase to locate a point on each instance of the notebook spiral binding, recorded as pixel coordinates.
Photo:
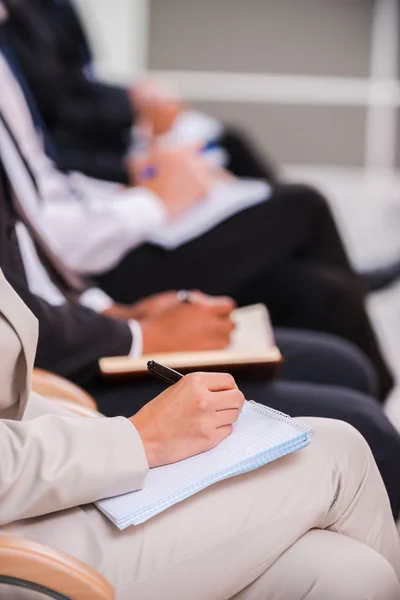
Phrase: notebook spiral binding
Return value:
(280, 416)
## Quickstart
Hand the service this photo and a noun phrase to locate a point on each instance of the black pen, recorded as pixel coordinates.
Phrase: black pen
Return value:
(162, 372)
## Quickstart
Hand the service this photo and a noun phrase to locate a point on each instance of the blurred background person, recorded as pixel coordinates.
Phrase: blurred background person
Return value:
(91, 122)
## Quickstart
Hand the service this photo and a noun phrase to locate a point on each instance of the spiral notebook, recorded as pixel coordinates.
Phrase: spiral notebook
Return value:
(261, 435)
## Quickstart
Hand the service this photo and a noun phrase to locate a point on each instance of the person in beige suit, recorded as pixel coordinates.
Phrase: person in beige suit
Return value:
(315, 524)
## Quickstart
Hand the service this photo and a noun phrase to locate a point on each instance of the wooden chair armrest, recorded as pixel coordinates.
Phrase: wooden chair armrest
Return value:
(27, 561)
(53, 386)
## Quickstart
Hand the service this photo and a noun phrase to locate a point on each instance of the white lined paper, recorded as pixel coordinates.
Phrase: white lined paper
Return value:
(260, 436)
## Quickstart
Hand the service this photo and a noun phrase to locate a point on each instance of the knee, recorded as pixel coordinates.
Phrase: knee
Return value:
(334, 429)
(365, 442)
(233, 134)
(377, 581)
(327, 565)
(352, 366)
(308, 197)
(374, 579)
(339, 361)
(355, 366)
(341, 289)
(341, 439)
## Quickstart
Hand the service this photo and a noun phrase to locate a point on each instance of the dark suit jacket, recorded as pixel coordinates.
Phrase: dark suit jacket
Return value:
(71, 337)
(90, 122)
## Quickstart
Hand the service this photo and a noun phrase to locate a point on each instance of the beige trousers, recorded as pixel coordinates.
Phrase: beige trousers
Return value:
(315, 525)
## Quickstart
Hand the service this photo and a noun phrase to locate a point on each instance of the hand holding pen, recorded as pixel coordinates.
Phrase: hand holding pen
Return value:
(192, 322)
(190, 417)
(181, 178)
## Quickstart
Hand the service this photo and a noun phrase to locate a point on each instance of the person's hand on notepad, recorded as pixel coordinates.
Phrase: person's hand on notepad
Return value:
(204, 323)
(143, 309)
(180, 178)
(192, 416)
(150, 306)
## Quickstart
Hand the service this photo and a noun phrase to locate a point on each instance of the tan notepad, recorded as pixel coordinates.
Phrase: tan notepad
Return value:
(252, 349)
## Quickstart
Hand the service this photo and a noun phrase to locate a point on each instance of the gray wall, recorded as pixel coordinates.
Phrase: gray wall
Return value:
(295, 37)
(315, 135)
(317, 37)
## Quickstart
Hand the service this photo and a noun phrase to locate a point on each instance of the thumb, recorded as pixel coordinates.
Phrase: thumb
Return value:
(222, 306)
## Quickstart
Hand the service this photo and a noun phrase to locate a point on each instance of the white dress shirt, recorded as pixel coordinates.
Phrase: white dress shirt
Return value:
(91, 224)
(39, 282)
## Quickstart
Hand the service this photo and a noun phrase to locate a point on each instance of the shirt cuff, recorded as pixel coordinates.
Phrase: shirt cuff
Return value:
(96, 299)
(137, 339)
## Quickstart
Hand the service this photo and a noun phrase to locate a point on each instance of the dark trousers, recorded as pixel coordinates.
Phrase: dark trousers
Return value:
(336, 381)
(244, 158)
(285, 252)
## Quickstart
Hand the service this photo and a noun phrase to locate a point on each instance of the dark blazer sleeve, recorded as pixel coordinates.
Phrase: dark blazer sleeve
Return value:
(88, 120)
(104, 163)
(91, 105)
(72, 338)
(62, 92)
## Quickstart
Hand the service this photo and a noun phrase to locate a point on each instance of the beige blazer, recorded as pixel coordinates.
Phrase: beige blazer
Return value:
(53, 462)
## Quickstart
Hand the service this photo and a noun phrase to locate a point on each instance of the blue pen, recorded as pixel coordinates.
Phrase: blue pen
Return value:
(210, 146)
(150, 171)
